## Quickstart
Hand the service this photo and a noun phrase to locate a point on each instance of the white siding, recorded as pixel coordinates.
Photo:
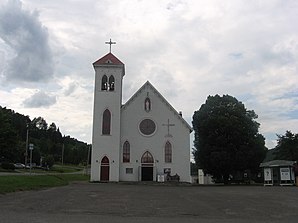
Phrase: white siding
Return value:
(106, 145)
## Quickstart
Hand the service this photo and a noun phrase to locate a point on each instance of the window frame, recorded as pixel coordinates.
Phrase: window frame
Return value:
(111, 83)
(104, 83)
(147, 157)
(147, 108)
(168, 152)
(129, 170)
(106, 122)
(126, 152)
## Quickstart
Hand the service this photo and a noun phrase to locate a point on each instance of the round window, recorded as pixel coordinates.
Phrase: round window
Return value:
(147, 127)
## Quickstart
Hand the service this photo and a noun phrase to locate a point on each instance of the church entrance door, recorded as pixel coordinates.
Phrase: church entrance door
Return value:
(147, 167)
(147, 173)
(105, 169)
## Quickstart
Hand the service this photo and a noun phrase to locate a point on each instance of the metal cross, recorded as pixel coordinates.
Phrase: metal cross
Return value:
(168, 125)
(110, 44)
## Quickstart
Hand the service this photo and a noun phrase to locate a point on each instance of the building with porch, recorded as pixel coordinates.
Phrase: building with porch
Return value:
(141, 140)
(278, 172)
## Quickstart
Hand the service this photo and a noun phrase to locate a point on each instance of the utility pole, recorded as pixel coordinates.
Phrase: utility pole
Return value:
(26, 150)
(87, 165)
(31, 146)
(62, 154)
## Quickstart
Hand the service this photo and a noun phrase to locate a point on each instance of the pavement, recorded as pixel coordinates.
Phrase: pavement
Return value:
(123, 202)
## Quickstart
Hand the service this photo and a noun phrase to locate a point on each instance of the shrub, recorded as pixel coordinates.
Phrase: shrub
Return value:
(48, 161)
(7, 166)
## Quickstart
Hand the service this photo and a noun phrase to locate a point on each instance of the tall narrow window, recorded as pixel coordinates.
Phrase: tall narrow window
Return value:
(104, 83)
(111, 83)
(147, 105)
(168, 152)
(106, 122)
(126, 152)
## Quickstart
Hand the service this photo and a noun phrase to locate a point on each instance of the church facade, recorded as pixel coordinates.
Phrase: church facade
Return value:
(144, 139)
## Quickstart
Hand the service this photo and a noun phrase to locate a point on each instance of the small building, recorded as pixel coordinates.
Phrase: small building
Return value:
(204, 178)
(278, 172)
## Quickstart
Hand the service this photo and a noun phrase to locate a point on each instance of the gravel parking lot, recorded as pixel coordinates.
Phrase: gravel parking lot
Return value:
(120, 202)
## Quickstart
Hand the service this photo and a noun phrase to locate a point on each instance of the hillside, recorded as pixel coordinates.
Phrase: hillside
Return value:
(49, 142)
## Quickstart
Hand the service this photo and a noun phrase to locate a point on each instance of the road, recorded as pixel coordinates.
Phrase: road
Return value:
(120, 202)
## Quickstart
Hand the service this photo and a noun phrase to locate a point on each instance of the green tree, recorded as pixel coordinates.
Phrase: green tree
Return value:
(8, 140)
(287, 146)
(52, 127)
(226, 138)
(48, 141)
(48, 161)
(40, 123)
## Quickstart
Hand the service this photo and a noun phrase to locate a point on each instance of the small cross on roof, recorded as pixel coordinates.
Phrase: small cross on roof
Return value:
(110, 44)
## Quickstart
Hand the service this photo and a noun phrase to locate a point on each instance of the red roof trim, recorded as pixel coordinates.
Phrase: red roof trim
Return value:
(108, 59)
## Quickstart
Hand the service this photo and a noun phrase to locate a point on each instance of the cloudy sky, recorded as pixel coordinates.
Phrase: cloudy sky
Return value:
(186, 49)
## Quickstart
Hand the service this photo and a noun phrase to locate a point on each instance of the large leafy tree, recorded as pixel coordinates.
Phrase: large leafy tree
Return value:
(287, 146)
(227, 138)
(7, 138)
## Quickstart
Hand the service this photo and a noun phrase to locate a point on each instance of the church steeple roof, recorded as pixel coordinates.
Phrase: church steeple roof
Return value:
(108, 59)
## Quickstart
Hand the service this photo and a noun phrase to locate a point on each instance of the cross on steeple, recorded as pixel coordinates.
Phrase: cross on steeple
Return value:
(168, 125)
(110, 44)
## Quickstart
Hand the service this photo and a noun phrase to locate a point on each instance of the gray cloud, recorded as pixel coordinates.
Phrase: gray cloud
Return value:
(70, 88)
(39, 99)
(186, 49)
(22, 31)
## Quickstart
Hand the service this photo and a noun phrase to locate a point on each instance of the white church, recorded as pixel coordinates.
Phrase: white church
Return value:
(144, 139)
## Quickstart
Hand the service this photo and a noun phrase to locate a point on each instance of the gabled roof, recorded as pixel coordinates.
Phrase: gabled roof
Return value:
(108, 59)
(162, 99)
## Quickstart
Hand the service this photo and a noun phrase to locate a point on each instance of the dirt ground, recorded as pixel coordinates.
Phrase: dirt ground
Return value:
(120, 202)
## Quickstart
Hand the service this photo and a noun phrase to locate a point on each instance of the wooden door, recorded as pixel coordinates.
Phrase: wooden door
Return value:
(105, 169)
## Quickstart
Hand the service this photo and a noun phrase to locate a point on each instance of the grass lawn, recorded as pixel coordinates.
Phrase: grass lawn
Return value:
(66, 168)
(55, 169)
(5, 170)
(20, 183)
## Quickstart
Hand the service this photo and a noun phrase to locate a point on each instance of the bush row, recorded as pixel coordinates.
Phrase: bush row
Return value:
(7, 166)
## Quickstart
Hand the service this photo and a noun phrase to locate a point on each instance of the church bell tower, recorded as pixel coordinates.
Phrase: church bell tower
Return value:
(109, 72)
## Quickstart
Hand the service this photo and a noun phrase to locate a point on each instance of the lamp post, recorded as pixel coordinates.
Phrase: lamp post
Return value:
(31, 146)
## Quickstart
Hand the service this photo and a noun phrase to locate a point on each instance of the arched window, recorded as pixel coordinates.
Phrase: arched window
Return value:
(104, 83)
(106, 122)
(168, 152)
(126, 152)
(111, 83)
(147, 104)
(105, 160)
(147, 158)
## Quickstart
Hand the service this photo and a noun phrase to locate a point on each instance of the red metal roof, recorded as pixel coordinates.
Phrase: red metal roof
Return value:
(108, 59)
